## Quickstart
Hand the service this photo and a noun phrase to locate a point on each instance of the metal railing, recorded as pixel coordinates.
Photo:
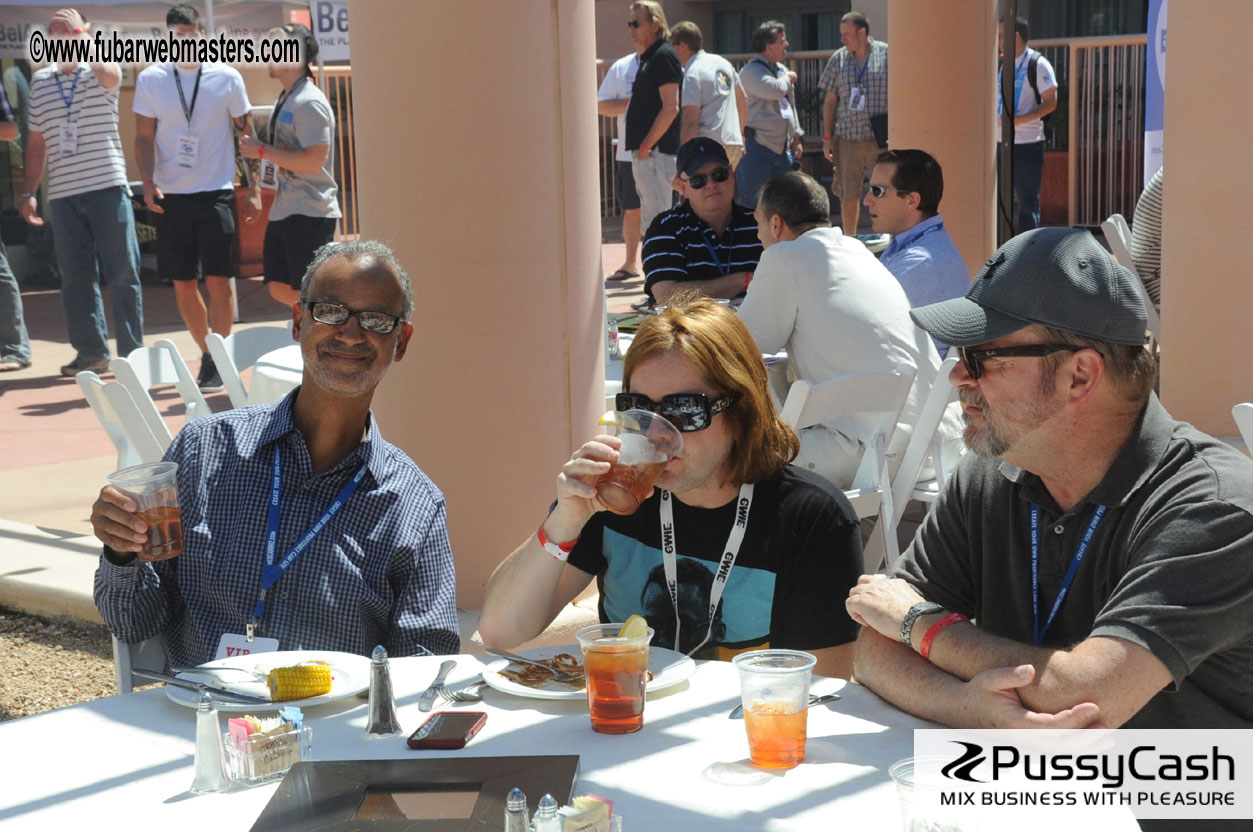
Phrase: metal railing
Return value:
(1099, 120)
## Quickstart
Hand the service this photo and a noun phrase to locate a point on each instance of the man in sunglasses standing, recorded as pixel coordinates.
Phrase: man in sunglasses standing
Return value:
(303, 528)
(707, 243)
(652, 115)
(752, 549)
(1105, 549)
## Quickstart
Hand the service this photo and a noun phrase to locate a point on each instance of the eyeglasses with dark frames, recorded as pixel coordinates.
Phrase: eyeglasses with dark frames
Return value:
(878, 191)
(973, 359)
(699, 180)
(634, 24)
(686, 411)
(336, 314)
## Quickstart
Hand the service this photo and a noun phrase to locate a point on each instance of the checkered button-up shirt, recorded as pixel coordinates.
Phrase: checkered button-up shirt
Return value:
(381, 572)
(842, 73)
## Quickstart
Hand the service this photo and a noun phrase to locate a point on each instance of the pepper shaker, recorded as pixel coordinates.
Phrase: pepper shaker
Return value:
(382, 721)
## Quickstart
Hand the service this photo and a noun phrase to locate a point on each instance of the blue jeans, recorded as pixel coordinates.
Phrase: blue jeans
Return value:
(95, 231)
(1028, 171)
(14, 342)
(758, 165)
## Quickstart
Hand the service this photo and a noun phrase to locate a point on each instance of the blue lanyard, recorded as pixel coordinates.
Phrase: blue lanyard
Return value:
(272, 571)
(717, 260)
(858, 75)
(69, 101)
(1038, 634)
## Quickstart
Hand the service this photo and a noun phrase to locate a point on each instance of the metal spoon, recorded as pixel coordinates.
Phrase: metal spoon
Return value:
(738, 713)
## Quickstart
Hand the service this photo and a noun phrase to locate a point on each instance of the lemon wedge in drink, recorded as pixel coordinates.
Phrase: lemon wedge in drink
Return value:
(619, 419)
(635, 627)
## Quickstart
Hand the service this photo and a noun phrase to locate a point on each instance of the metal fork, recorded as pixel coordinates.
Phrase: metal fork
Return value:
(558, 675)
(470, 693)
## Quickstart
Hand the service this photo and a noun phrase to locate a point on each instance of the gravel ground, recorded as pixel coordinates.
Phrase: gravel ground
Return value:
(50, 663)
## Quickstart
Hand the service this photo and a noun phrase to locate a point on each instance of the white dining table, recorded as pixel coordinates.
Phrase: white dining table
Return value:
(129, 759)
(276, 374)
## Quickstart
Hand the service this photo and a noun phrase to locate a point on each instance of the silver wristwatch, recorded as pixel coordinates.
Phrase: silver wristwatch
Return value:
(907, 623)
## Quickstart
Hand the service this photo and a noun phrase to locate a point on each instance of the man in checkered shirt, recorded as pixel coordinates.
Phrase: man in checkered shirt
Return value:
(856, 83)
(379, 572)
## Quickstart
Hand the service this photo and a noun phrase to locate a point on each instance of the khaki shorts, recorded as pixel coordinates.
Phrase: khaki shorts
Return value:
(853, 162)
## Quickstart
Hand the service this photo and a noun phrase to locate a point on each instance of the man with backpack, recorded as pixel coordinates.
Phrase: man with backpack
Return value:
(1035, 96)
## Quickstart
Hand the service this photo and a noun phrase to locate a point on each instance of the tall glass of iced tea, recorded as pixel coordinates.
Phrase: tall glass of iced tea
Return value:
(649, 441)
(616, 669)
(774, 689)
(154, 488)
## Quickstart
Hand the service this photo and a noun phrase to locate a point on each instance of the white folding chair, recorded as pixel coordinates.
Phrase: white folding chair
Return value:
(121, 419)
(1243, 414)
(1118, 236)
(239, 351)
(153, 366)
(148, 654)
(923, 441)
(878, 395)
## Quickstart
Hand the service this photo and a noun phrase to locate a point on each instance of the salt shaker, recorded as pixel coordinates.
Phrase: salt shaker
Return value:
(209, 777)
(515, 812)
(546, 819)
(382, 721)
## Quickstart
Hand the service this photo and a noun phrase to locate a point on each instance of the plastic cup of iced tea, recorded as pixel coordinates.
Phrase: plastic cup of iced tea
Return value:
(616, 671)
(154, 488)
(649, 441)
(774, 690)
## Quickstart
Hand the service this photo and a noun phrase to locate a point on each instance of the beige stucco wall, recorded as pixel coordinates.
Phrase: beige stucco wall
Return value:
(1207, 294)
(483, 175)
(956, 129)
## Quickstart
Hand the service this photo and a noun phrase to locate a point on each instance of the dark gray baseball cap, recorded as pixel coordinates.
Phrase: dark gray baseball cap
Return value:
(1059, 277)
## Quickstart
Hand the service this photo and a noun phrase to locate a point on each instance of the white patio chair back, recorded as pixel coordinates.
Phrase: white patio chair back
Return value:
(120, 417)
(149, 367)
(1118, 236)
(148, 654)
(1243, 414)
(880, 395)
(924, 441)
(239, 351)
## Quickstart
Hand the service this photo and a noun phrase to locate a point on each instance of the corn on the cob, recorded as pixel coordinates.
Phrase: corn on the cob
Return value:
(299, 682)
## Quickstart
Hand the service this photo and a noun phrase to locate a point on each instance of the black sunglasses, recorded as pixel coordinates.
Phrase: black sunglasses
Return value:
(686, 411)
(634, 24)
(699, 180)
(336, 314)
(878, 191)
(973, 359)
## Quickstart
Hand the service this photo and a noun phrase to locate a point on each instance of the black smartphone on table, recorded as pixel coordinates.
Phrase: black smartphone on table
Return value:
(448, 729)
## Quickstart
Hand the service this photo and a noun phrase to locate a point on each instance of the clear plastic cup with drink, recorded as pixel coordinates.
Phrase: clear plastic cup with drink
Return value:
(649, 441)
(154, 488)
(616, 671)
(774, 690)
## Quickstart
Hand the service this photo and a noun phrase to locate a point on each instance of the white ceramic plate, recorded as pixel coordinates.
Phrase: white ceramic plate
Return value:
(350, 674)
(668, 669)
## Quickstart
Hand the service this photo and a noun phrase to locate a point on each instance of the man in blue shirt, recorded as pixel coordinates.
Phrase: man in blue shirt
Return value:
(379, 572)
(904, 200)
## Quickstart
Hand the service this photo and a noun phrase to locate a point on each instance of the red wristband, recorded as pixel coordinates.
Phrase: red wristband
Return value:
(748, 278)
(937, 628)
(149, 182)
(560, 551)
(826, 138)
(78, 31)
(260, 151)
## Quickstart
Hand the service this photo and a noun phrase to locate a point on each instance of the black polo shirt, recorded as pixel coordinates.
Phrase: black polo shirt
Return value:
(681, 246)
(1170, 567)
(658, 65)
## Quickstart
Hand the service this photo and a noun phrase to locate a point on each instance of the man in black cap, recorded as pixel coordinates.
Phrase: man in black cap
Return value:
(1104, 549)
(706, 243)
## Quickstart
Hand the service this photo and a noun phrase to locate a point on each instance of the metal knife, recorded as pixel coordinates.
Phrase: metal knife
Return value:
(199, 686)
(738, 713)
(428, 698)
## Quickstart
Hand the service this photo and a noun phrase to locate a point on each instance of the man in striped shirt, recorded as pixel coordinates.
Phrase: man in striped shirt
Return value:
(707, 243)
(74, 128)
(14, 342)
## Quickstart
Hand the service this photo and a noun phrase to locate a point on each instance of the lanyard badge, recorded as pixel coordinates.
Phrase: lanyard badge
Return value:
(1037, 631)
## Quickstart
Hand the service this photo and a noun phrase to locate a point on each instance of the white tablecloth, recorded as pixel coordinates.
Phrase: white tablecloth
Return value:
(276, 374)
(127, 761)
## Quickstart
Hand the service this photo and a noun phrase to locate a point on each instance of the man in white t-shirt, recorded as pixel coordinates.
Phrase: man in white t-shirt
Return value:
(838, 310)
(612, 100)
(184, 116)
(74, 128)
(1035, 96)
(711, 101)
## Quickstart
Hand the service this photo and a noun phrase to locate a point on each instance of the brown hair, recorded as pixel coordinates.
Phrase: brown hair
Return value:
(714, 338)
(1131, 369)
(687, 33)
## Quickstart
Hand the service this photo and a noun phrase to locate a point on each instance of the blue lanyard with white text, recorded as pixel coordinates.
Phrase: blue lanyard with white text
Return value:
(272, 571)
(1037, 633)
(69, 101)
